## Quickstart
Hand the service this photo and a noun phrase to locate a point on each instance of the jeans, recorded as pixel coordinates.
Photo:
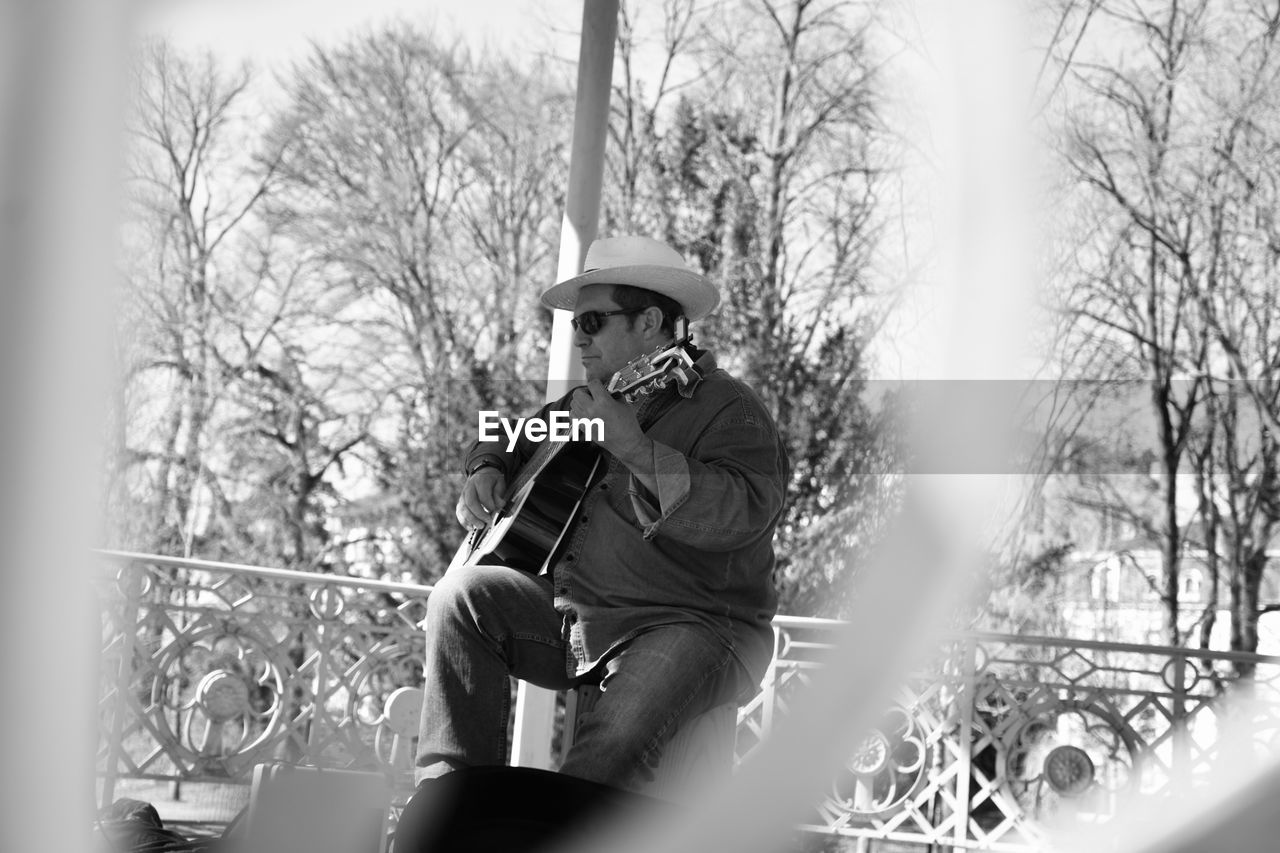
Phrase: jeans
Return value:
(486, 623)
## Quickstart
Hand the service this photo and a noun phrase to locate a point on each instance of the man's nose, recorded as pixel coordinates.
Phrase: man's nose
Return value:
(580, 338)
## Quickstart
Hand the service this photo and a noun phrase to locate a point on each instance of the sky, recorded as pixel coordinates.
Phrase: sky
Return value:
(272, 33)
(951, 324)
(268, 32)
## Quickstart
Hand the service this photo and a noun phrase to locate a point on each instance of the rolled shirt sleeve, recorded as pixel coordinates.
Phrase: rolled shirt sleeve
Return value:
(671, 470)
(727, 492)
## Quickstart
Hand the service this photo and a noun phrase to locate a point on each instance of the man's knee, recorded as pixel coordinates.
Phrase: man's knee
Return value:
(488, 597)
(461, 595)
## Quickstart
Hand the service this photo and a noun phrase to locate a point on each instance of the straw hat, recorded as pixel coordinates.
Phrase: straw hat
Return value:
(639, 262)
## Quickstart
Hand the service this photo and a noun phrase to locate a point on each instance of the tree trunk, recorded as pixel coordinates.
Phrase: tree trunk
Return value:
(1170, 545)
(1211, 518)
(1245, 630)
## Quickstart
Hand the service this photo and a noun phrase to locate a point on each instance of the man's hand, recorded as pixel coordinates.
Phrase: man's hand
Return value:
(622, 434)
(482, 496)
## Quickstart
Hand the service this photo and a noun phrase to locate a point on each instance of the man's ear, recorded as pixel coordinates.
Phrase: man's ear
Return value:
(652, 318)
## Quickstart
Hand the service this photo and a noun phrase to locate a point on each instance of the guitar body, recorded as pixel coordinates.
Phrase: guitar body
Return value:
(527, 532)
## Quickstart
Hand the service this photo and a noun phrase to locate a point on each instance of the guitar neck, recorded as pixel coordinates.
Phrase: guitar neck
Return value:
(640, 376)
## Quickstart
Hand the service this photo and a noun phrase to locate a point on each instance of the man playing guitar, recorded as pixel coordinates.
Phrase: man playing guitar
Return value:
(656, 582)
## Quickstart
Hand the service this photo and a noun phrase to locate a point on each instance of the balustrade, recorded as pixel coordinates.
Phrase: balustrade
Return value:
(208, 669)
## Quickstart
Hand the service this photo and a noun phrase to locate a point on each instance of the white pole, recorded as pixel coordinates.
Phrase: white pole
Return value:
(586, 174)
(535, 707)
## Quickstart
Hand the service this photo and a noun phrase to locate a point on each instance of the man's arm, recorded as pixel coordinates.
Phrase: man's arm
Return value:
(720, 500)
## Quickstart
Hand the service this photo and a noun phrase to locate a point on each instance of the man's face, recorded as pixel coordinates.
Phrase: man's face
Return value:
(618, 340)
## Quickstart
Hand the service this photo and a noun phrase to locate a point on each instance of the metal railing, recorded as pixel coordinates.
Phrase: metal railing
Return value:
(1009, 734)
(208, 669)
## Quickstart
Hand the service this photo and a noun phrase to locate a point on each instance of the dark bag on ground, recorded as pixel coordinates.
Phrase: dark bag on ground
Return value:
(134, 826)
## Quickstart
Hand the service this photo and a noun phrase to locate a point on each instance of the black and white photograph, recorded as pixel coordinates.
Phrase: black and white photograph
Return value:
(653, 426)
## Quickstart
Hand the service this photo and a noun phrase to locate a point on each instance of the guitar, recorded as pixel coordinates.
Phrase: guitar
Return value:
(527, 530)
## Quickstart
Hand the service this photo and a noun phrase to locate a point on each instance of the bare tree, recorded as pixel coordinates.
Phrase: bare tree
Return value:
(193, 195)
(422, 185)
(510, 214)
(756, 151)
(1176, 141)
(1147, 291)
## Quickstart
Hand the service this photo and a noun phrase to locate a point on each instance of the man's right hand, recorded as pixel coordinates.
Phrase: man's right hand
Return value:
(482, 495)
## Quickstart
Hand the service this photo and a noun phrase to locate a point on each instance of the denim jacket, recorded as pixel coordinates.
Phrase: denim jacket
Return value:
(700, 550)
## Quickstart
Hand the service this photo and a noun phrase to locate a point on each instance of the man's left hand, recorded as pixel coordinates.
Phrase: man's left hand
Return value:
(622, 434)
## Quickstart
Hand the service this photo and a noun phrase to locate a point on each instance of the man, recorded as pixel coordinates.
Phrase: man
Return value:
(661, 591)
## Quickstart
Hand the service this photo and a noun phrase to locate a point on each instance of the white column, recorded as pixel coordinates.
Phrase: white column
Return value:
(535, 707)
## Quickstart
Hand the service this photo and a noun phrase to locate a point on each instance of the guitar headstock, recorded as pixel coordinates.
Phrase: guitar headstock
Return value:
(652, 371)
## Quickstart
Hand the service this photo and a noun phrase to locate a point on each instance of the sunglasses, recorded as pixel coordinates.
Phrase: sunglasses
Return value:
(589, 322)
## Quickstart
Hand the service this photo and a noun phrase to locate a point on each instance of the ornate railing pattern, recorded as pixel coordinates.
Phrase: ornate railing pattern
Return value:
(1011, 734)
(208, 669)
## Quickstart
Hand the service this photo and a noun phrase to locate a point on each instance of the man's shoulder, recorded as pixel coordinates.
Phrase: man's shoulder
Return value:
(723, 390)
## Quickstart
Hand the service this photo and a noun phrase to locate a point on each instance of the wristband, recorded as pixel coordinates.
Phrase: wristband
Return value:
(486, 462)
